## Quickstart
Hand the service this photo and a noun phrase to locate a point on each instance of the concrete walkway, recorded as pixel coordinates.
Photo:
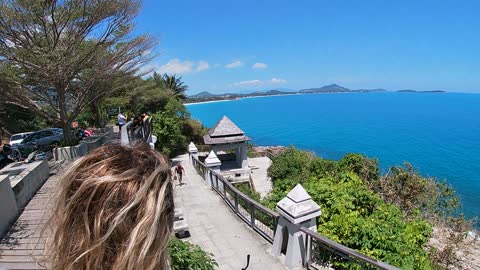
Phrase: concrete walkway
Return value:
(216, 229)
(261, 182)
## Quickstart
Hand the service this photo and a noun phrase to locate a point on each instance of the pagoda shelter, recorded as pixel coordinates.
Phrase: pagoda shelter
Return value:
(224, 136)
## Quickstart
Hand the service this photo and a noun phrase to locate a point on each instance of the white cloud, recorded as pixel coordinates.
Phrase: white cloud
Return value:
(276, 80)
(248, 83)
(177, 66)
(256, 83)
(259, 66)
(234, 64)
(202, 65)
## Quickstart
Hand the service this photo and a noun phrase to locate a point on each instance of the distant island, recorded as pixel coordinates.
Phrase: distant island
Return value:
(332, 88)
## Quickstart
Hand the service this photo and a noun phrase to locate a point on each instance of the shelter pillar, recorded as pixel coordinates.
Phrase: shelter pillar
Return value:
(213, 164)
(192, 151)
(296, 210)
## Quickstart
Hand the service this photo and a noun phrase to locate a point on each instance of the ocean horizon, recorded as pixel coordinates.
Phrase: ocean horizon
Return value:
(438, 133)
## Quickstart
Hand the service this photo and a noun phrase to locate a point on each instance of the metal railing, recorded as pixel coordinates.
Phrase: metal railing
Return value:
(261, 219)
(323, 253)
(200, 167)
(140, 132)
(320, 252)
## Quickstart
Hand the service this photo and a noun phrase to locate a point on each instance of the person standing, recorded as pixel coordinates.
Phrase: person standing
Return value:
(180, 171)
(121, 120)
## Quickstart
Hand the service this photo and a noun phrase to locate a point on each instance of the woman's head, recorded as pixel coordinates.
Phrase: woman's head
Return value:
(114, 211)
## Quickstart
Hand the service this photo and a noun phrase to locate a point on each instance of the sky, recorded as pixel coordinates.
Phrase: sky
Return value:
(237, 46)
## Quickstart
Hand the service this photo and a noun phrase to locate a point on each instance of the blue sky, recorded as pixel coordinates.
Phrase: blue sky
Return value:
(232, 46)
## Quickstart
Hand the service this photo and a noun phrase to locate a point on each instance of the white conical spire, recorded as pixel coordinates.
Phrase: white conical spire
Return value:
(192, 148)
(298, 194)
(298, 206)
(212, 160)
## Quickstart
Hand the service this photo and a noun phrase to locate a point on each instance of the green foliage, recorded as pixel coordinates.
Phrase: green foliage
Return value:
(364, 167)
(386, 217)
(292, 164)
(185, 256)
(14, 119)
(85, 119)
(174, 128)
(356, 217)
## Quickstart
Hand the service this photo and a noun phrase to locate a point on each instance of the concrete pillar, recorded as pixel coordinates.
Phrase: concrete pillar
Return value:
(296, 210)
(213, 164)
(192, 151)
(243, 155)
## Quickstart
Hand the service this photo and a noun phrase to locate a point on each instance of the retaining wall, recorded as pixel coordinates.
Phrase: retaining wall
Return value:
(8, 206)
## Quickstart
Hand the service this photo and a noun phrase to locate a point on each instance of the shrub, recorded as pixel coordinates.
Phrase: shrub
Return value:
(292, 164)
(387, 217)
(185, 256)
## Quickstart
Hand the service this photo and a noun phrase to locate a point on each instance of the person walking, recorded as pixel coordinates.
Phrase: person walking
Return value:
(180, 171)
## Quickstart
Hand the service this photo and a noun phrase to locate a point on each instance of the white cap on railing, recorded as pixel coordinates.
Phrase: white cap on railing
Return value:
(298, 206)
(192, 148)
(212, 160)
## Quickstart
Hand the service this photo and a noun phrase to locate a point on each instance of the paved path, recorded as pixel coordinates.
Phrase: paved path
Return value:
(261, 181)
(215, 228)
(23, 246)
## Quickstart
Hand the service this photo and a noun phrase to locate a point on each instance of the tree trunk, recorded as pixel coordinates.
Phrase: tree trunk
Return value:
(64, 121)
(97, 113)
(67, 133)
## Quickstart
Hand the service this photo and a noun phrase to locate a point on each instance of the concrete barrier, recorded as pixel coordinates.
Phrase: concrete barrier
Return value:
(26, 179)
(83, 148)
(69, 152)
(8, 206)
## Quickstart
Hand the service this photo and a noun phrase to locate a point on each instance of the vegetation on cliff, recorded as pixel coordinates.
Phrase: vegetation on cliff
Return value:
(389, 217)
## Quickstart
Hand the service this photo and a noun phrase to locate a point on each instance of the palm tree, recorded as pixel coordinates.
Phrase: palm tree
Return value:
(172, 83)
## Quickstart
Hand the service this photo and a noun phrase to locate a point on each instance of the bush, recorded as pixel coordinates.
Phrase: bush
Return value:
(175, 129)
(185, 256)
(292, 164)
(387, 217)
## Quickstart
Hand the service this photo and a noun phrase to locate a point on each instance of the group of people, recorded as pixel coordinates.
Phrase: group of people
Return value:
(136, 121)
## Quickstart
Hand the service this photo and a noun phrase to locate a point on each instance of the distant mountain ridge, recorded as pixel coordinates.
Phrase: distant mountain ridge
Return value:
(331, 88)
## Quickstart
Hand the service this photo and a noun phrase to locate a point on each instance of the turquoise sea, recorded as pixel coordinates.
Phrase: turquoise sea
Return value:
(438, 133)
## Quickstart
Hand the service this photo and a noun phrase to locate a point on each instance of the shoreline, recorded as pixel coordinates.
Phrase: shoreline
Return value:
(239, 98)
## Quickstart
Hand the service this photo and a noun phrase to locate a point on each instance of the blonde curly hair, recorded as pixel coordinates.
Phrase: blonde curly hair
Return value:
(114, 211)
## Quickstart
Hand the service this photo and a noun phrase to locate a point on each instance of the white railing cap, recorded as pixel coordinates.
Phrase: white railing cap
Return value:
(192, 148)
(212, 160)
(298, 206)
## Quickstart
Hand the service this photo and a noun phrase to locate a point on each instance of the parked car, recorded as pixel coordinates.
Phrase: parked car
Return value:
(18, 138)
(43, 139)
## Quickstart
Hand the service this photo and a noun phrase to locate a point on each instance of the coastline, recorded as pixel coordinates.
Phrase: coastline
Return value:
(239, 98)
(211, 101)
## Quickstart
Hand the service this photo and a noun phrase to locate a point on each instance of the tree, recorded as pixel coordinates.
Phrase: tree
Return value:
(172, 83)
(54, 54)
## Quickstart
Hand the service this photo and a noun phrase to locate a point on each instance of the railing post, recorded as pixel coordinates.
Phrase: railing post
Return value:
(235, 198)
(296, 210)
(212, 163)
(192, 151)
(252, 215)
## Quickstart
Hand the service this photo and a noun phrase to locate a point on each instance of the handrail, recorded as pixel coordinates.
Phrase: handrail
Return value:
(262, 220)
(320, 251)
(338, 250)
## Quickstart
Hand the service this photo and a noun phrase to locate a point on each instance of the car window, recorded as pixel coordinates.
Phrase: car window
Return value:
(31, 137)
(46, 133)
(16, 137)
